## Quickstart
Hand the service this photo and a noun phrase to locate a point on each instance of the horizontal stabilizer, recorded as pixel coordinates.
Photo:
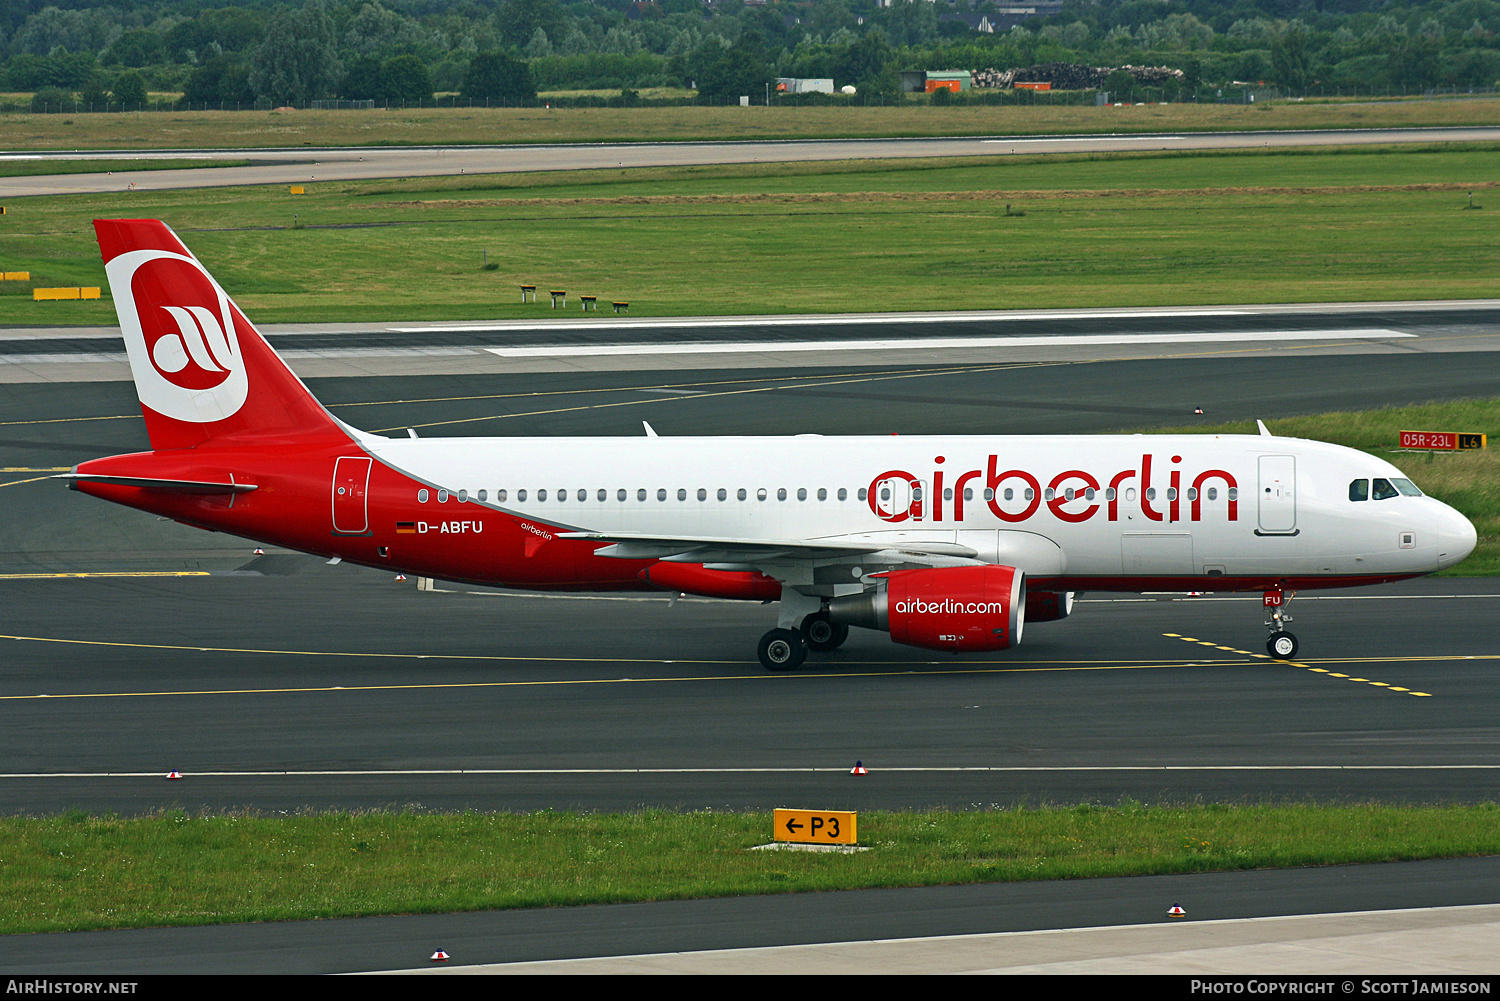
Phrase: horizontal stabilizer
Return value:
(152, 483)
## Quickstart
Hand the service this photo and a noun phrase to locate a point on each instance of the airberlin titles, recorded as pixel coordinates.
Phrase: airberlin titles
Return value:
(1061, 494)
(1066, 489)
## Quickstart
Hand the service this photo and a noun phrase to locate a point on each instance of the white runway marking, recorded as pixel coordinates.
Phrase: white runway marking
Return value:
(933, 343)
(831, 319)
(1092, 139)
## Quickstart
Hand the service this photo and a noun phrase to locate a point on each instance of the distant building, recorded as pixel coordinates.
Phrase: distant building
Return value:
(1002, 18)
(806, 85)
(976, 22)
(926, 81)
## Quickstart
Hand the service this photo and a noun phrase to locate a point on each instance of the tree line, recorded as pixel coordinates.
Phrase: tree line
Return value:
(279, 52)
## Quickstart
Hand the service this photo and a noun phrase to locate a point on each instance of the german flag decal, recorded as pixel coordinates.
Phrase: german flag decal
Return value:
(406, 528)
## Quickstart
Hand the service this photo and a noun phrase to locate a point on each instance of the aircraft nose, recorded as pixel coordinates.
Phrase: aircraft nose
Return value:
(1456, 536)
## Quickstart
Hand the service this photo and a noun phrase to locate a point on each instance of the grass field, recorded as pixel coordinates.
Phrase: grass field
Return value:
(459, 126)
(79, 872)
(1003, 232)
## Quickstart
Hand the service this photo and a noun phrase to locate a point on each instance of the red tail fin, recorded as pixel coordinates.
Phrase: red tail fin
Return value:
(201, 370)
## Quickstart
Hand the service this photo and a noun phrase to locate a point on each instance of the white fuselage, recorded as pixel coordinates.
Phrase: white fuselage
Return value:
(1129, 506)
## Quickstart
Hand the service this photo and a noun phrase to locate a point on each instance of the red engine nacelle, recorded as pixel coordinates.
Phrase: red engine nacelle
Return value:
(695, 578)
(945, 608)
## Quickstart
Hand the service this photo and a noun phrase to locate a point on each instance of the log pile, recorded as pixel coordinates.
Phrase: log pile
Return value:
(994, 78)
(1072, 76)
(1153, 76)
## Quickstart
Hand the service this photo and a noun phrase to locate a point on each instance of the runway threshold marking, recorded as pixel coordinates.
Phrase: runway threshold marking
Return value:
(1319, 670)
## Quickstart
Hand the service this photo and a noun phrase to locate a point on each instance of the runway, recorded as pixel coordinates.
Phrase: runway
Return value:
(231, 673)
(278, 682)
(344, 690)
(300, 164)
(915, 341)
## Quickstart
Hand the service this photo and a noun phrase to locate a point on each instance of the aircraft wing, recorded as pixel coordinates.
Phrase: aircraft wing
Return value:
(710, 549)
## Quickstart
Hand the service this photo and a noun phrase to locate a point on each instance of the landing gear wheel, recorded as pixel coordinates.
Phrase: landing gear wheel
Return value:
(821, 634)
(1282, 646)
(782, 650)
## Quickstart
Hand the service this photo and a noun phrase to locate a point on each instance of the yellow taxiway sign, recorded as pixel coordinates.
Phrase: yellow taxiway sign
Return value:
(825, 827)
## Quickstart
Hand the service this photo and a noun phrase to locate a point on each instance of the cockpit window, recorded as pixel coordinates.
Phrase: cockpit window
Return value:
(1384, 490)
(1359, 490)
(1407, 487)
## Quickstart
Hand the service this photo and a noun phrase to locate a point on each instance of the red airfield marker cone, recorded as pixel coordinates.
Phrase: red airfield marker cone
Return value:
(174, 774)
(1176, 911)
(259, 552)
(400, 577)
(859, 769)
(439, 957)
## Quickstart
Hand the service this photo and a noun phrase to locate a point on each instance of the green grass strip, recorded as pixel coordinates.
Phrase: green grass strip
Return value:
(79, 871)
(988, 233)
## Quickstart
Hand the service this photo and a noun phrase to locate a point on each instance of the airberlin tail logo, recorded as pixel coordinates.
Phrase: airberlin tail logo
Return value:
(180, 335)
(198, 351)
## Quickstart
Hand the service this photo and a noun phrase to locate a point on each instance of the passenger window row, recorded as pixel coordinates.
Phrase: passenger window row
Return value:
(641, 494)
(822, 493)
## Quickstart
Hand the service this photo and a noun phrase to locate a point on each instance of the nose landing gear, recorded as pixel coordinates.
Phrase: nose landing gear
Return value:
(1282, 645)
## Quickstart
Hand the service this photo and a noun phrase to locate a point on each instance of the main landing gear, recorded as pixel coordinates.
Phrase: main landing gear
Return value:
(782, 650)
(786, 649)
(822, 634)
(1282, 645)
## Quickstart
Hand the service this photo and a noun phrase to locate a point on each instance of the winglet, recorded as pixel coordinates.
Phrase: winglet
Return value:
(650, 431)
(1263, 431)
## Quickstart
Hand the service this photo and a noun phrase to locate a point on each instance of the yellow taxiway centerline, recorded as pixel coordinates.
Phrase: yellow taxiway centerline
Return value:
(1325, 671)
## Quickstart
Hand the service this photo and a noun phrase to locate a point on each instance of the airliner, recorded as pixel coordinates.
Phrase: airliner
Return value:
(948, 542)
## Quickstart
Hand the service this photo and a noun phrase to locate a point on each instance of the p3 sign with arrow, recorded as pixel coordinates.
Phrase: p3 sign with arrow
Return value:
(826, 827)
